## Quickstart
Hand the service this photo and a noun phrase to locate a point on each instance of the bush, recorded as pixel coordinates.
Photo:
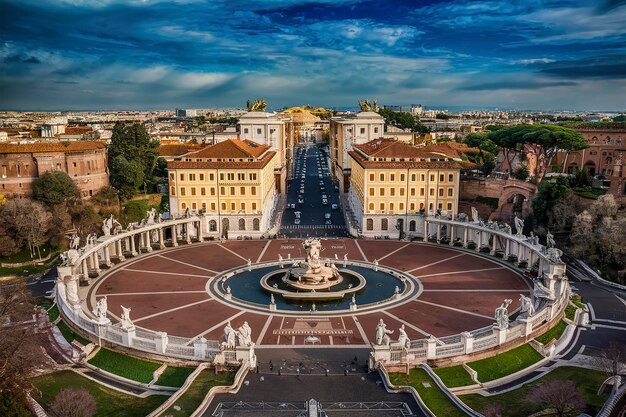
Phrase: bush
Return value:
(521, 172)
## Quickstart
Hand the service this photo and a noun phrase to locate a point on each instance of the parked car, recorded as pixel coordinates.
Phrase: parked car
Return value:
(325, 202)
(327, 216)
(297, 214)
(335, 207)
(328, 222)
(296, 221)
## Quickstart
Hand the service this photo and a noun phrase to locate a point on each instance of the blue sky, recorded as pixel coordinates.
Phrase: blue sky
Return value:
(133, 54)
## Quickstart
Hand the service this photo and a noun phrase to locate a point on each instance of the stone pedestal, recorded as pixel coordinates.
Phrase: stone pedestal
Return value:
(246, 353)
(500, 334)
(272, 306)
(468, 341)
(527, 326)
(431, 348)
(128, 334)
(161, 341)
(199, 348)
(353, 307)
(381, 353)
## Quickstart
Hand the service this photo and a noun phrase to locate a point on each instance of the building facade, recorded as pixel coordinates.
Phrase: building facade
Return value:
(21, 164)
(394, 184)
(232, 182)
(347, 131)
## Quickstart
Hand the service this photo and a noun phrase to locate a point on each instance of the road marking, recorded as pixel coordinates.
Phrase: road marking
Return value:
(217, 326)
(282, 320)
(458, 310)
(154, 293)
(263, 251)
(264, 329)
(234, 253)
(356, 242)
(171, 309)
(168, 273)
(406, 323)
(435, 263)
(481, 290)
(360, 329)
(458, 272)
(391, 253)
(188, 264)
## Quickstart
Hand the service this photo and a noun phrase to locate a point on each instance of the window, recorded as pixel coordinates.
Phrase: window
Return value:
(201, 177)
(441, 192)
(391, 206)
(211, 177)
(222, 190)
(412, 226)
(392, 192)
(172, 191)
(223, 206)
(432, 192)
(413, 177)
(432, 177)
(172, 176)
(450, 177)
(232, 190)
(449, 206)
(371, 177)
(193, 206)
(382, 177)
(441, 176)
(450, 191)
(212, 190)
(412, 192)
(371, 207)
(245, 130)
(384, 224)
(193, 190)
(375, 130)
(258, 131)
(371, 192)
(192, 177)
(422, 191)
(183, 206)
(202, 191)
(362, 130)
(423, 177)
(212, 206)
(401, 208)
(241, 177)
(242, 190)
(254, 206)
(401, 177)
(182, 191)
(233, 207)
(440, 206)
(392, 177)
(242, 224)
(253, 190)
(253, 177)
(370, 224)
(256, 225)
(243, 206)
(412, 206)
(402, 192)
(230, 176)
(182, 177)
(381, 192)
(382, 206)
(212, 226)
(222, 176)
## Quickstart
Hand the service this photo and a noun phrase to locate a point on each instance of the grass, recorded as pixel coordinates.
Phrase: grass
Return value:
(69, 334)
(505, 363)
(514, 403)
(454, 376)
(192, 398)
(24, 254)
(53, 313)
(553, 333)
(570, 312)
(577, 300)
(433, 397)
(125, 366)
(109, 402)
(174, 376)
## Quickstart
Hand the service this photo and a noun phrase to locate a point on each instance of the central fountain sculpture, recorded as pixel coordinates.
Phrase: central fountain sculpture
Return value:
(312, 274)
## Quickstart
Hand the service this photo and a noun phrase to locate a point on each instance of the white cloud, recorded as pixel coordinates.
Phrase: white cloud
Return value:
(181, 34)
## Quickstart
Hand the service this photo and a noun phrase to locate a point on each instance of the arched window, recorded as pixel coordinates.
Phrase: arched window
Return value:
(608, 140)
(242, 224)
(183, 206)
(256, 225)
(371, 206)
(370, 224)
(212, 226)
(384, 224)
(225, 224)
(412, 226)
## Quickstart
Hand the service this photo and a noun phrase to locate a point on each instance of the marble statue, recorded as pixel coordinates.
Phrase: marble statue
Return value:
(397, 290)
(502, 315)
(110, 225)
(382, 334)
(519, 226)
(475, 218)
(74, 242)
(272, 300)
(125, 320)
(71, 290)
(345, 260)
(403, 339)
(353, 302)
(550, 243)
(249, 262)
(531, 238)
(228, 291)
(101, 308)
(151, 216)
(91, 239)
(63, 259)
(527, 308)
(554, 254)
(244, 334)
(541, 291)
(229, 336)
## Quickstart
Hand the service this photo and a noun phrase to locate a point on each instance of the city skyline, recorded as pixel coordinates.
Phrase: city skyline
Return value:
(115, 54)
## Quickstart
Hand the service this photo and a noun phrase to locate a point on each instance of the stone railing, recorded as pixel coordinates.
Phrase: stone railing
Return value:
(549, 305)
(110, 249)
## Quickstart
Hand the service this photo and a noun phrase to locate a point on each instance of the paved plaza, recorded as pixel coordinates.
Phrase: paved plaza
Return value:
(167, 291)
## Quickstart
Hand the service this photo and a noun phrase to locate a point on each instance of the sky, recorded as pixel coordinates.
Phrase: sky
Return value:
(152, 54)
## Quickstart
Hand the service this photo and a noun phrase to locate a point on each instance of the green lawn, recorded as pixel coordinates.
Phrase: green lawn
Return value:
(553, 333)
(24, 255)
(53, 313)
(174, 376)
(69, 334)
(454, 376)
(514, 403)
(127, 366)
(433, 397)
(570, 312)
(192, 398)
(109, 402)
(577, 300)
(505, 363)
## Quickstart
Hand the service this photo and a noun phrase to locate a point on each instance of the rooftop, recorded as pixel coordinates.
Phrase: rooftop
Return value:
(38, 147)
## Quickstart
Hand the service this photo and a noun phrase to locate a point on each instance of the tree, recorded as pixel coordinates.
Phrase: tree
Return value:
(126, 176)
(73, 403)
(160, 169)
(549, 194)
(521, 172)
(60, 222)
(611, 359)
(558, 395)
(402, 120)
(20, 344)
(55, 187)
(26, 221)
(581, 178)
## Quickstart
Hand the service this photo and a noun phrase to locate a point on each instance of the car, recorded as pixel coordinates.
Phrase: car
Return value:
(296, 221)
(321, 182)
(297, 214)
(328, 222)
(325, 202)
(291, 206)
(324, 197)
(300, 200)
(335, 207)
(322, 188)
(320, 175)
(327, 216)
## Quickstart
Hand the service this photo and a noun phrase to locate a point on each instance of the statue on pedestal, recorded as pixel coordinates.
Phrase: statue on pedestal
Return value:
(125, 320)
(74, 242)
(519, 226)
(554, 255)
(541, 291)
(475, 218)
(110, 225)
(403, 340)
(382, 334)
(229, 336)
(100, 311)
(151, 216)
(550, 243)
(527, 308)
(244, 334)
(502, 315)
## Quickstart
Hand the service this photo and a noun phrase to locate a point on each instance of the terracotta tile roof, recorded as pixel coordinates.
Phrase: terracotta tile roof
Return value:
(391, 148)
(176, 149)
(77, 130)
(409, 164)
(258, 164)
(39, 147)
(232, 148)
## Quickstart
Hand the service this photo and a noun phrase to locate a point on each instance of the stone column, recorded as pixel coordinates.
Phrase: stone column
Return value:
(468, 340)
(465, 236)
(425, 229)
(84, 268)
(174, 236)
(494, 244)
(118, 250)
(188, 232)
(452, 237)
(107, 256)
(161, 341)
(507, 248)
(96, 262)
(438, 232)
(500, 333)
(161, 239)
(148, 246)
(479, 239)
(431, 348)
(128, 335)
(133, 251)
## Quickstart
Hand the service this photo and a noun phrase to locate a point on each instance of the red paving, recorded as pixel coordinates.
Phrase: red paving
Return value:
(192, 320)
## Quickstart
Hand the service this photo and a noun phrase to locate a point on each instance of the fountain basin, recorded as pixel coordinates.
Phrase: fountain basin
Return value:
(350, 282)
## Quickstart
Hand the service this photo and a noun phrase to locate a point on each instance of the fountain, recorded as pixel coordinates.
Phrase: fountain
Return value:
(311, 279)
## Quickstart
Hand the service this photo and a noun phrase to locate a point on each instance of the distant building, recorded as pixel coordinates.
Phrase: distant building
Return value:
(347, 131)
(232, 182)
(21, 164)
(186, 113)
(53, 127)
(393, 185)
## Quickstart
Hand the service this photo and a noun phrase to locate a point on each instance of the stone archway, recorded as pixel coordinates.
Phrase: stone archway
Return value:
(516, 196)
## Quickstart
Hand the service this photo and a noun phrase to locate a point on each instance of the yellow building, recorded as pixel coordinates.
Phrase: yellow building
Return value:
(393, 184)
(231, 182)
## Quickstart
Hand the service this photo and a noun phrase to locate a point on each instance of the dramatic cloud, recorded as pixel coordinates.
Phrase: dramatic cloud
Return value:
(542, 54)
